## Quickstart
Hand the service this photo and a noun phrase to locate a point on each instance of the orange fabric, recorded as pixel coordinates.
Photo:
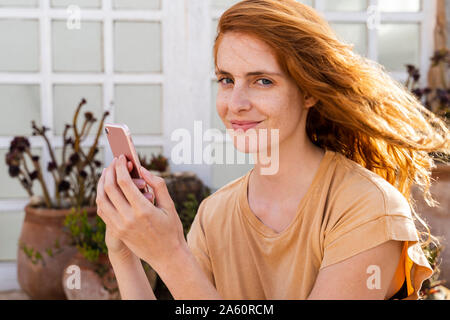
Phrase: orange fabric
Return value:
(346, 210)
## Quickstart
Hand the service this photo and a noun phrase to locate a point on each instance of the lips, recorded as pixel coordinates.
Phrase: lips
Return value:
(244, 125)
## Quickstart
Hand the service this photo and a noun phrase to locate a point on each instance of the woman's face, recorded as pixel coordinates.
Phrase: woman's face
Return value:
(253, 88)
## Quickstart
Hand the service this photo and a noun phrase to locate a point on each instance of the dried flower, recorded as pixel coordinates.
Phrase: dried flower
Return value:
(83, 174)
(440, 56)
(74, 158)
(418, 93)
(13, 158)
(20, 144)
(35, 158)
(63, 186)
(69, 141)
(51, 166)
(14, 171)
(88, 116)
(34, 175)
(97, 163)
(68, 169)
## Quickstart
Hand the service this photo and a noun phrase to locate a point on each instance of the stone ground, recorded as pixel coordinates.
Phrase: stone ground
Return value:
(13, 295)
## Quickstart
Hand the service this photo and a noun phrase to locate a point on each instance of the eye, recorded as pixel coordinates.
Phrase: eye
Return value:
(222, 79)
(266, 82)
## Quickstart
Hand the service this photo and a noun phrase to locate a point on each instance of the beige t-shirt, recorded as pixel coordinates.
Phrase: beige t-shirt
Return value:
(346, 210)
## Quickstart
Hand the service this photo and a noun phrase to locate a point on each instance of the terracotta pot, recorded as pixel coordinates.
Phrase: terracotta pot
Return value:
(44, 251)
(96, 280)
(438, 218)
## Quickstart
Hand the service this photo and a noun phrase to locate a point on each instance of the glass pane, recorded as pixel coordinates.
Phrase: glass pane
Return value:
(23, 105)
(399, 5)
(11, 188)
(137, 46)
(80, 3)
(307, 2)
(77, 50)
(18, 3)
(223, 4)
(216, 122)
(137, 4)
(139, 107)
(10, 227)
(352, 33)
(394, 56)
(345, 5)
(65, 101)
(20, 45)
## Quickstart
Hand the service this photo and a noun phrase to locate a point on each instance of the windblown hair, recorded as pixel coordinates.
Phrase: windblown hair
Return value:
(361, 111)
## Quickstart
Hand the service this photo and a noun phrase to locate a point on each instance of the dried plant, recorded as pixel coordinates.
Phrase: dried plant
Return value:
(75, 178)
(156, 163)
(436, 100)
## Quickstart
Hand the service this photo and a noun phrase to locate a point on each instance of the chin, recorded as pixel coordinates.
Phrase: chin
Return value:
(249, 141)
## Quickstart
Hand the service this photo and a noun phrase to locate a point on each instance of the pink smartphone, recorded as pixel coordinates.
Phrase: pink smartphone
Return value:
(120, 142)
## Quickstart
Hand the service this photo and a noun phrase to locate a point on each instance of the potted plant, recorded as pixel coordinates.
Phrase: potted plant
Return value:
(437, 100)
(44, 248)
(97, 281)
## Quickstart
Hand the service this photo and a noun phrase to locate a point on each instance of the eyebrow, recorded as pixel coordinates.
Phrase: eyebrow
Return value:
(253, 73)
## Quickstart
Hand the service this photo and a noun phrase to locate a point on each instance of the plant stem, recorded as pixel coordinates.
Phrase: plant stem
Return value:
(57, 195)
(75, 129)
(41, 180)
(94, 145)
(27, 188)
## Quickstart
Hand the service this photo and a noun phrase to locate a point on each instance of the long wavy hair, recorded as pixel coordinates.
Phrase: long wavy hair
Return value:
(361, 112)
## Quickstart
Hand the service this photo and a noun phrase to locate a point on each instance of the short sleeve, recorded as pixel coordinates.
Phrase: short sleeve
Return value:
(196, 241)
(370, 218)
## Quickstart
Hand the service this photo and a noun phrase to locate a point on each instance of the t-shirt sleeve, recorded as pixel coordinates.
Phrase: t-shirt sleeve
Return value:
(196, 241)
(368, 217)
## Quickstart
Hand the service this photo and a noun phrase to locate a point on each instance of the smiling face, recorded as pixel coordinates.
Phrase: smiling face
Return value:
(253, 88)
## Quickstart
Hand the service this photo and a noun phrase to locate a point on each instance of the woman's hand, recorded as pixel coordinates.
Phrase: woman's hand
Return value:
(115, 245)
(153, 233)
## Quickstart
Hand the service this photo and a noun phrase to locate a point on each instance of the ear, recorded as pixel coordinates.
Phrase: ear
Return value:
(309, 101)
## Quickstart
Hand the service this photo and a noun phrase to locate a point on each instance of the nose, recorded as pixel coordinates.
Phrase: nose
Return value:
(239, 100)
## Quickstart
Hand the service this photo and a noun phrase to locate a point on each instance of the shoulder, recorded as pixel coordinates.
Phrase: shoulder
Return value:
(357, 189)
(215, 207)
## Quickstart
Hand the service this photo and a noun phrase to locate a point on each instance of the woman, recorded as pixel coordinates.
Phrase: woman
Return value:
(335, 221)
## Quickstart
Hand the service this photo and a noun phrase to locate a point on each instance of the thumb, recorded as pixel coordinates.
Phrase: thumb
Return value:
(159, 187)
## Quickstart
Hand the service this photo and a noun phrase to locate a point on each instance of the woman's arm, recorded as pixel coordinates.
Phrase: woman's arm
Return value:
(185, 279)
(131, 278)
(365, 276)
(153, 233)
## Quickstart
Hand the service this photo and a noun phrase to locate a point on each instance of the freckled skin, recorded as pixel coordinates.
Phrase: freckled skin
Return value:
(278, 101)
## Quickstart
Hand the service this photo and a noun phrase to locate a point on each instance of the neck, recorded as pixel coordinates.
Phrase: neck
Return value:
(298, 160)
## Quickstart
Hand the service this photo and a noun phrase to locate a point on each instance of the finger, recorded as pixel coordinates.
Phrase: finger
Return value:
(113, 190)
(104, 205)
(140, 183)
(130, 166)
(130, 190)
(160, 191)
(149, 196)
